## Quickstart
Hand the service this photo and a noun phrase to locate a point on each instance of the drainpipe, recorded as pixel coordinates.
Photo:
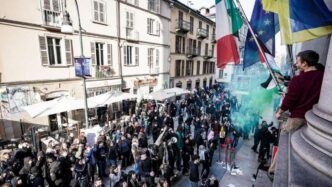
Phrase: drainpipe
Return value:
(119, 40)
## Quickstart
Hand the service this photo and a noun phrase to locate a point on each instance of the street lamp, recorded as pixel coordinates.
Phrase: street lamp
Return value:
(67, 27)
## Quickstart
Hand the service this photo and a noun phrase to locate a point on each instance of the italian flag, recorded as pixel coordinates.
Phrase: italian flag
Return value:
(228, 23)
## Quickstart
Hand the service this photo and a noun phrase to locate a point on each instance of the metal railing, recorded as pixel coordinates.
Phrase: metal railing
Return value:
(52, 18)
(182, 25)
(132, 34)
(192, 52)
(104, 71)
(201, 33)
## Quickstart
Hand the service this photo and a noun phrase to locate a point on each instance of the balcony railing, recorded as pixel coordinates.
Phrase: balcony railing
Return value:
(182, 26)
(192, 52)
(52, 18)
(104, 71)
(132, 35)
(213, 38)
(208, 54)
(201, 33)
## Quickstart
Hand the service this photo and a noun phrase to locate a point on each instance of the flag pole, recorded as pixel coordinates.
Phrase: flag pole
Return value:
(245, 19)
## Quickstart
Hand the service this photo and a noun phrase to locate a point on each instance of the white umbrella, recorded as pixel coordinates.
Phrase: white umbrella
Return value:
(109, 98)
(177, 91)
(54, 106)
(159, 95)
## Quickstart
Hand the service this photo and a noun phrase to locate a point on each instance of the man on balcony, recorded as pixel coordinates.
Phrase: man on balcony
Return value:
(303, 90)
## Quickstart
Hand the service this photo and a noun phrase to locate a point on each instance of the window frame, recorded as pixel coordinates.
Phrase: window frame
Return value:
(99, 2)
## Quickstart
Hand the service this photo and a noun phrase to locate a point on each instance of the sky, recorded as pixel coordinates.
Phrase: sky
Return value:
(196, 4)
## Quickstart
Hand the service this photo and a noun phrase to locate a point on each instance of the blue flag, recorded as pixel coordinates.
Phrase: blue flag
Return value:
(265, 26)
(301, 20)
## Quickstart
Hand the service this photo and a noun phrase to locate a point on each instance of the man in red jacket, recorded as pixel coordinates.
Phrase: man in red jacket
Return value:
(303, 90)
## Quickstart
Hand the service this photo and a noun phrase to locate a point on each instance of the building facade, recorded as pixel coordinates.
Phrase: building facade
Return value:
(127, 42)
(192, 48)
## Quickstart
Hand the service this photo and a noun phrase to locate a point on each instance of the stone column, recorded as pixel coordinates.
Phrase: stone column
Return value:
(310, 153)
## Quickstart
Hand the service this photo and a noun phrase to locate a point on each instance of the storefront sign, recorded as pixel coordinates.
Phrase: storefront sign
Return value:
(150, 82)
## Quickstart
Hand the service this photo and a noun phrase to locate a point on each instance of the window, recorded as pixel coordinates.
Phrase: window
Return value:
(101, 54)
(189, 68)
(177, 68)
(207, 31)
(199, 46)
(130, 20)
(206, 49)
(150, 25)
(154, 5)
(51, 12)
(191, 25)
(221, 72)
(179, 44)
(150, 57)
(153, 27)
(198, 67)
(134, 2)
(157, 57)
(131, 55)
(199, 24)
(55, 51)
(99, 11)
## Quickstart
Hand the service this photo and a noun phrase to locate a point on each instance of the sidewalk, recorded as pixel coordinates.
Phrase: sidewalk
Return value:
(246, 160)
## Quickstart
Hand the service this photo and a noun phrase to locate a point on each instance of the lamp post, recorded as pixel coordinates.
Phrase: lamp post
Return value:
(67, 27)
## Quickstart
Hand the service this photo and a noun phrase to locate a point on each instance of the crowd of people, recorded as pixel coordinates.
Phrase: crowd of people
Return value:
(154, 146)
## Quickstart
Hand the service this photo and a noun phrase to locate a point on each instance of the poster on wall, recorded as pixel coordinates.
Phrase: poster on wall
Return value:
(82, 67)
(12, 99)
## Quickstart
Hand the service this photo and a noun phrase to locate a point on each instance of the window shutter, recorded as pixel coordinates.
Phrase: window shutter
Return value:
(149, 57)
(148, 29)
(131, 20)
(102, 12)
(136, 55)
(109, 54)
(43, 50)
(158, 28)
(69, 51)
(95, 9)
(93, 53)
(47, 5)
(157, 57)
(125, 55)
(127, 19)
(56, 5)
(157, 6)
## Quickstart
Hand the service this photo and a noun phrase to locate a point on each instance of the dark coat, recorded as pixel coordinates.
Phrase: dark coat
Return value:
(194, 172)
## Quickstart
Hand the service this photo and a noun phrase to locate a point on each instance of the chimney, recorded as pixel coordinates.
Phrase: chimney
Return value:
(207, 11)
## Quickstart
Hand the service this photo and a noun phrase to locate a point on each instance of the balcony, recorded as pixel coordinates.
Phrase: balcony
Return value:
(208, 54)
(182, 26)
(132, 35)
(192, 52)
(51, 19)
(104, 71)
(154, 71)
(213, 38)
(201, 33)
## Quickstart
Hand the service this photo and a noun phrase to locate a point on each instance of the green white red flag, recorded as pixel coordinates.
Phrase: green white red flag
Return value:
(228, 23)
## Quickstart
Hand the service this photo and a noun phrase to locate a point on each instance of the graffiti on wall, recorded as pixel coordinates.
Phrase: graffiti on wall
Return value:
(12, 99)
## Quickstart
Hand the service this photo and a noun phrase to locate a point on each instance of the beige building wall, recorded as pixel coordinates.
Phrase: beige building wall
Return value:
(24, 75)
(198, 77)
